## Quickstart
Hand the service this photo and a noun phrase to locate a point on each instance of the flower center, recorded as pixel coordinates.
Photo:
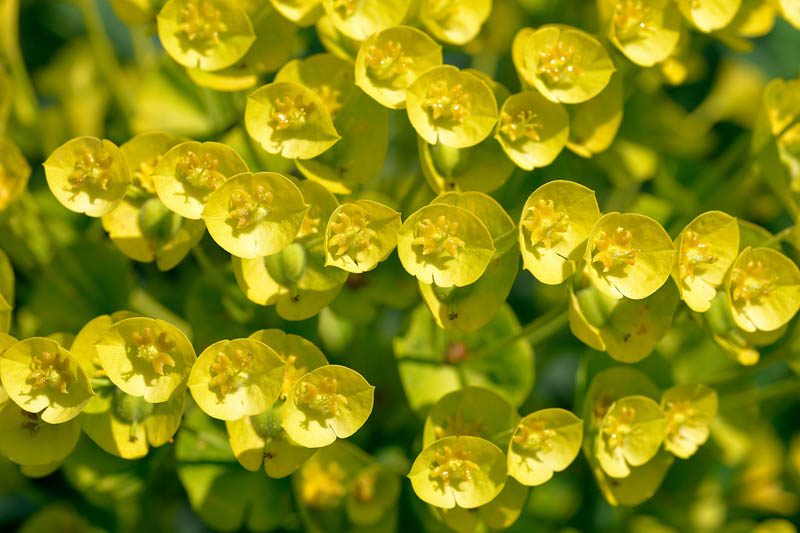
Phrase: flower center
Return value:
(330, 99)
(50, 370)
(438, 238)
(557, 65)
(455, 425)
(387, 62)
(291, 374)
(290, 113)
(322, 487)
(201, 172)
(615, 249)
(679, 413)
(629, 19)
(351, 232)
(547, 227)
(447, 102)
(524, 123)
(201, 23)
(749, 283)
(247, 209)
(453, 466)
(93, 169)
(534, 436)
(695, 253)
(322, 397)
(154, 350)
(365, 488)
(143, 175)
(230, 373)
(616, 429)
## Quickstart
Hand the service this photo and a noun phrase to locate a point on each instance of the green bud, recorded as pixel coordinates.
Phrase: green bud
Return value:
(447, 159)
(596, 306)
(131, 409)
(157, 221)
(287, 266)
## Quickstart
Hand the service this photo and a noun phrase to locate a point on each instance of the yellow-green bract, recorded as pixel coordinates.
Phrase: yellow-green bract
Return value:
(709, 15)
(329, 402)
(360, 235)
(255, 215)
(29, 440)
(690, 410)
(146, 357)
(88, 175)
(237, 378)
(14, 172)
(454, 22)
(593, 124)
(42, 377)
(460, 471)
(646, 31)
(498, 514)
(360, 19)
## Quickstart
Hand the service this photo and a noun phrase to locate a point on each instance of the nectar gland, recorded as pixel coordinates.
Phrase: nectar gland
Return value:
(446, 102)
(93, 169)
(695, 254)
(351, 232)
(247, 209)
(201, 171)
(50, 370)
(229, 373)
(615, 249)
(388, 61)
(438, 238)
(750, 283)
(453, 466)
(546, 225)
(154, 349)
(321, 397)
(290, 112)
(201, 23)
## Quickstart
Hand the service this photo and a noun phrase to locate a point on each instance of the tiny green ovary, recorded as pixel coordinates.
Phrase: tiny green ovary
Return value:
(750, 283)
(154, 350)
(230, 373)
(201, 171)
(546, 225)
(455, 425)
(351, 233)
(525, 123)
(247, 209)
(387, 62)
(438, 238)
(48, 370)
(453, 466)
(290, 113)
(695, 254)
(321, 397)
(534, 436)
(201, 23)
(446, 102)
(93, 169)
(557, 65)
(614, 249)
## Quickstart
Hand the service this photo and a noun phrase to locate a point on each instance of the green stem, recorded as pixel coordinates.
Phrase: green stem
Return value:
(143, 303)
(411, 192)
(780, 236)
(537, 331)
(26, 104)
(785, 387)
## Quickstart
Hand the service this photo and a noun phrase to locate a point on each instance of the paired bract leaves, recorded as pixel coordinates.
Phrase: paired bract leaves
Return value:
(360, 234)
(360, 19)
(593, 124)
(532, 130)
(646, 31)
(709, 15)
(29, 440)
(483, 167)
(689, 409)
(454, 21)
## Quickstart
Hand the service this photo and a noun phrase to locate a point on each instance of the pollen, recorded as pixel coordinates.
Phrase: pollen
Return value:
(695, 253)
(615, 249)
(546, 225)
(201, 171)
(524, 124)
(50, 370)
(291, 374)
(534, 435)
(750, 283)
(201, 23)
(322, 487)
(617, 429)
(630, 19)
(388, 61)
(290, 112)
(438, 238)
(247, 209)
(322, 397)
(457, 426)
(453, 466)
(557, 65)
(351, 233)
(154, 349)
(229, 373)
(446, 102)
(93, 169)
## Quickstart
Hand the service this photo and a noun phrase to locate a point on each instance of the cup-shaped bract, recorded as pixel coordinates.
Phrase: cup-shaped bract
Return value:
(709, 15)
(445, 245)
(301, 12)
(237, 378)
(449, 106)
(690, 410)
(255, 215)
(329, 402)
(189, 172)
(127, 426)
(566, 64)
(627, 329)
(454, 21)
(544, 442)
(500, 513)
(461, 471)
(646, 31)
(205, 34)
(630, 435)
(594, 124)
(473, 306)
(390, 60)
(358, 19)
(518, 47)
(556, 220)
(260, 441)
(334, 41)
(88, 175)
(42, 377)
(83, 345)
(14, 172)
(532, 130)
(472, 411)
(763, 289)
(328, 76)
(628, 255)
(706, 249)
(290, 120)
(375, 491)
(360, 234)
(30, 441)
(143, 152)
(300, 355)
(483, 167)
(790, 10)
(146, 357)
